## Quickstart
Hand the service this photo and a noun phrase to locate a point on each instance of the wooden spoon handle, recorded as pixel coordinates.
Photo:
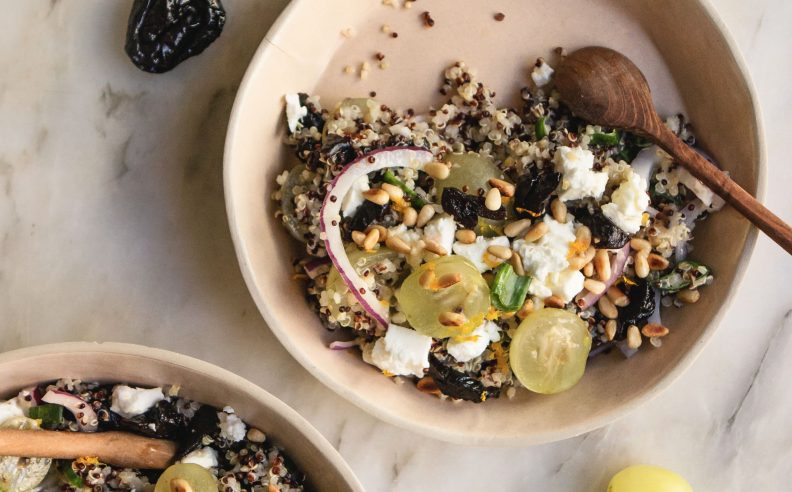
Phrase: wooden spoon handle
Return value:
(725, 187)
(116, 448)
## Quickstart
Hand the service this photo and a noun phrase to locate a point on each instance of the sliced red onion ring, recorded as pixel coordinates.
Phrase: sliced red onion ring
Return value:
(343, 345)
(617, 268)
(645, 162)
(316, 267)
(330, 219)
(87, 421)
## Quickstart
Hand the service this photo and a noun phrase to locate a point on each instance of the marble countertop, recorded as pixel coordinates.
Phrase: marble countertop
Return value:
(113, 227)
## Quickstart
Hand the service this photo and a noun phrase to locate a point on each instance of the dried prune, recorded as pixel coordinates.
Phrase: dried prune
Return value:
(466, 209)
(459, 385)
(339, 150)
(533, 192)
(162, 421)
(366, 214)
(314, 116)
(204, 423)
(606, 234)
(642, 305)
(163, 33)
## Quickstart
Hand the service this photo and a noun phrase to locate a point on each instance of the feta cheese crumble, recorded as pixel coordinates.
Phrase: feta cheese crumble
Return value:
(130, 402)
(402, 352)
(231, 426)
(565, 284)
(468, 347)
(628, 204)
(546, 255)
(477, 252)
(441, 230)
(542, 73)
(579, 180)
(294, 111)
(354, 197)
(10, 409)
(205, 457)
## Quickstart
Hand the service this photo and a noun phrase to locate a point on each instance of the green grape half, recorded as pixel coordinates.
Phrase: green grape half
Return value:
(469, 170)
(197, 477)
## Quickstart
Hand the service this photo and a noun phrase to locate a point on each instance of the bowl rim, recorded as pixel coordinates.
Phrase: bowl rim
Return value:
(393, 417)
(231, 380)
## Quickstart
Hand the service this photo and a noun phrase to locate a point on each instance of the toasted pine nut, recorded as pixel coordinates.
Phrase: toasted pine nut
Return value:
(465, 236)
(397, 244)
(452, 319)
(526, 309)
(517, 263)
(425, 215)
(639, 244)
(377, 195)
(650, 330)
(594, 286)
(437, 170)
(502, 252)
(409, 216)
(579, 261)
(493, 199)
(607, 308)
(383, 233)
(633, 337)
(358, 237)
(554, 301)
(610, 329)
(372, 238)
(618, 297)
(448, 280)
(588, 270)
(602, 264)
(394, 192)
(514, 229)
(506, 189)
(433, 246)
(641, 264)
(559, 210)
(583, 237)
(536, 231)
(426, 279)
(427, 385)
(656, 262)
(180, 485)
(688, 296)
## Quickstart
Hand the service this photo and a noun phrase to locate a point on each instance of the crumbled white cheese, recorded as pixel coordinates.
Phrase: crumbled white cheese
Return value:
(628, 203)
(542, 73)
(476, 252)
(402, 352)
(354, 197)
(565, 284)
(546, 255)
(231, 426)
(294, 111)
(441, 230)
(467, 347)
(706, 195)
(10, 409)
(205, 457)
(129, 402)
(579, 180)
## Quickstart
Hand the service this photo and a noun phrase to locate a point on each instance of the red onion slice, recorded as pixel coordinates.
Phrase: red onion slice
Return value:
(330, 219)
(617, 268)
(343, 345)
(87, 421)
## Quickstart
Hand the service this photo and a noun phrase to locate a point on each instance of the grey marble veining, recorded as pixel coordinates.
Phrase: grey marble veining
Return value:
(113, 227)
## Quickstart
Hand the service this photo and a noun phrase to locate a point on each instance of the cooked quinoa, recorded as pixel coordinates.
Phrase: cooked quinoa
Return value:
(590, 220)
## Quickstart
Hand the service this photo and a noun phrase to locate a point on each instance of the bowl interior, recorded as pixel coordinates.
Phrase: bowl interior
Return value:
(200, 381)
(690, 67)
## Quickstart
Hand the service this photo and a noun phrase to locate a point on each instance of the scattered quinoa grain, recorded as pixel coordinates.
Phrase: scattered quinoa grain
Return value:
(499, 16)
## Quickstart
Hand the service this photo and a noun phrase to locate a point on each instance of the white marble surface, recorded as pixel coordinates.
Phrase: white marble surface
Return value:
(112, 227)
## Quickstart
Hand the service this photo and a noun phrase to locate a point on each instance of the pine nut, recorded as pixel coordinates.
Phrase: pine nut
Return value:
(425, 215)
(428, 385)
(633, 337)
(618, 297)
(372, 238)
(517, 263)
(602, 264)
(607, 308)
(426, 279)
(502, 252)
(437, 170)
(448, 280)
(656, 262)
(452, 319)
(639, 244)
(398, 245)
(409, 216)
(583, 237)
(358, 237)
(493, 199)
(594, 286)
(526, 309)
(377, 195)
(610, 329)
(554, 301)
(650, 330)
(516, 228)
(641, 264)
(506, 189)
(579, 261)
(588, 270)
(433, 246)
(383, 233)
(180, 485)
(536, 232)
(559, 210)
(688, 296)
(394, 192)
(256, 435)
(465, 236)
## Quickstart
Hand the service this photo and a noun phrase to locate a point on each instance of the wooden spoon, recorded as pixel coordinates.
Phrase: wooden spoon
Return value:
(116, 448)
(603, 86)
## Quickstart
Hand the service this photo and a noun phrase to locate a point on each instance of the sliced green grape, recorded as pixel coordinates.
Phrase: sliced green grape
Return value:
(469, 172)
(423, 302)
(549, 350)
(22, 473)
(647, 478)
(198, 478)
(362, 261)
(295, 178)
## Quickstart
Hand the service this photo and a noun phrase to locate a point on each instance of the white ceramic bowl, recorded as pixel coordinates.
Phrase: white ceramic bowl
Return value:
(200, 381)
(691, 65)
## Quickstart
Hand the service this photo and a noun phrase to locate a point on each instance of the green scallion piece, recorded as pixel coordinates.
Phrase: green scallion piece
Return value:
(416, 201)
(509, 289)
(606, 139)
(50, 415)
(540, 129)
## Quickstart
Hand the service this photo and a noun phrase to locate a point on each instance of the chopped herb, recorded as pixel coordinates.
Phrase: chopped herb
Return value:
(71, 477)
(540, 128)
(686, 274)
(606, 139)
(390, 178)
(509, 289)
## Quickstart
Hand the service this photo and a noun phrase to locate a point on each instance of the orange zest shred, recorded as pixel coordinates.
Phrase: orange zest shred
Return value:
(500, 357)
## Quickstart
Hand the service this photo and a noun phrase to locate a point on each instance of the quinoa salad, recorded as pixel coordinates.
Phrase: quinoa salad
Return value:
(477, 249)
(216, 449)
